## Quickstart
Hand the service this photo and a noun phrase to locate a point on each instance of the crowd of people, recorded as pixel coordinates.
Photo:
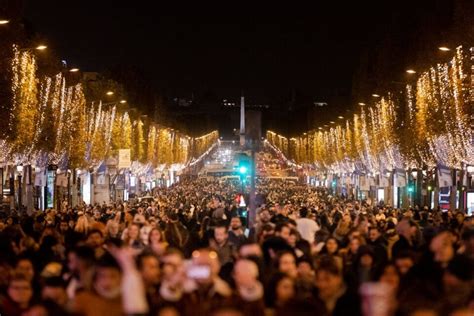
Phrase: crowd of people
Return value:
(270, 163)
(196, 251)
(267, 164)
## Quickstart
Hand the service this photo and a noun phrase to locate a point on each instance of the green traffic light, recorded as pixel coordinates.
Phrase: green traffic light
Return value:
(243, 170)
(410, 189)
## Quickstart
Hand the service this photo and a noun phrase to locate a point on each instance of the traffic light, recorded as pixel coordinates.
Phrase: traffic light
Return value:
(244, 167)
(411, 188)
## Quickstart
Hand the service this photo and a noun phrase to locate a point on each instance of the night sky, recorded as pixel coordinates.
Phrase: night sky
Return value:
(266, 50)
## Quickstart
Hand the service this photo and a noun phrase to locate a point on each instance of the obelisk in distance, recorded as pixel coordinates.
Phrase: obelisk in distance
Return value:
(242, 121)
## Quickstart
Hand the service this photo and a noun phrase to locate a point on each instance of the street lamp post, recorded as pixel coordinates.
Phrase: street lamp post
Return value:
(69, 199)
(111, 164)
(412, 187)
(19, 169)
(1, 185)
(306, 140)
(470, 175)
(109, 95)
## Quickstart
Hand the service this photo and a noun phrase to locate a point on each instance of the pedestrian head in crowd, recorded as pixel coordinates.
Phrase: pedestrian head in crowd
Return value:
(19, 294)
(132, 238)
(107, 277)
(148, 265)
(283, 230)
(221, 234)
(286, 263)
(54, 289)
(264, 216)
(281, 289)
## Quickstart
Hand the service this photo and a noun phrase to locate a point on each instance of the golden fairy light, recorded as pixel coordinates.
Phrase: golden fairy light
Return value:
(24, 111)
(48, 117)
(151, 145)
(429, 126)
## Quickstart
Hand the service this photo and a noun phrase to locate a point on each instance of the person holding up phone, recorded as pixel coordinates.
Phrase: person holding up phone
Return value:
(206, 291)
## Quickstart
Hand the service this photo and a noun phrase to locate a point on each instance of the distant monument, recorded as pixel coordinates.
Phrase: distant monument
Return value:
(242, 121)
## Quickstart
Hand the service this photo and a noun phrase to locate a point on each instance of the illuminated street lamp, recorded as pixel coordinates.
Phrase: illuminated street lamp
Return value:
(340, 117)
(361, 103)
(123, 101)
(39, 47)
(411, 71)
(110, 93)
(3, 22)
(375, 95)
(74, 70)
(444, 49)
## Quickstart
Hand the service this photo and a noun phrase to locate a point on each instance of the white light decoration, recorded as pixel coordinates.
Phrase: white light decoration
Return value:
(430, 126)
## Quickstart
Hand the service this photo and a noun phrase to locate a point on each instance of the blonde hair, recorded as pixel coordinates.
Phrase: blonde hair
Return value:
(82, 225)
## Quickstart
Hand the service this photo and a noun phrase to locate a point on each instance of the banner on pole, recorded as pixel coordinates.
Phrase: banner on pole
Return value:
(61, 180)
(100, 180)
(445, 177)
(383, 181)
(120, 182)
(371, 181)
(400, 178)
(329, 180)
(124, 160)
(40, 179)
(364, 183)
(348, 180)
